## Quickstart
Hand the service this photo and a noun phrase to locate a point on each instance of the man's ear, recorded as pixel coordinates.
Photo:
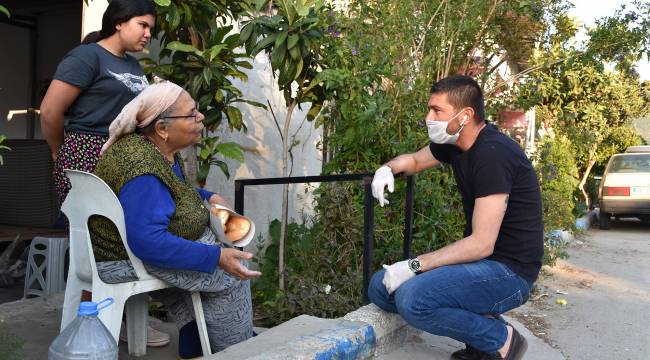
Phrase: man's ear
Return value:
(469, 113)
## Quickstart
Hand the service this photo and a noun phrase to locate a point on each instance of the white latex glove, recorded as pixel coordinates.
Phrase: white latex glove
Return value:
(383, 176)
(396, 275)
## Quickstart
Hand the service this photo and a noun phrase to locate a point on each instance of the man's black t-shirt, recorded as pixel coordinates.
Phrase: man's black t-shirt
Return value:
(495, 164)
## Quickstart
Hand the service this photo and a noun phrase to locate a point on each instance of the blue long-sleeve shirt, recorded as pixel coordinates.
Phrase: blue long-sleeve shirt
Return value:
(148, 207)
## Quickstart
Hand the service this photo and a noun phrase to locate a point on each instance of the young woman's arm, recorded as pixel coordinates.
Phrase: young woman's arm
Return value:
(60, 95)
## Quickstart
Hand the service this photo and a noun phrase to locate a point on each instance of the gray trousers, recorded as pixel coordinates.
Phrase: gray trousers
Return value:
(226, 300)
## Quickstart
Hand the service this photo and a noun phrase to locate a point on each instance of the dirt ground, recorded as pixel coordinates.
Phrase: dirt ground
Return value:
(605, 283)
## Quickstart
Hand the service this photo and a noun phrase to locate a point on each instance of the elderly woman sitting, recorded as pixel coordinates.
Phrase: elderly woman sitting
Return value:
(166, 221)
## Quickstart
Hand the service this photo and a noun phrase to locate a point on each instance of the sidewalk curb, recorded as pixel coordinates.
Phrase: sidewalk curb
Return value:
(307, 337)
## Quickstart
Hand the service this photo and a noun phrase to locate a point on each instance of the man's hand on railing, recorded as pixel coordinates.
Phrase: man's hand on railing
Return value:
(383, 177)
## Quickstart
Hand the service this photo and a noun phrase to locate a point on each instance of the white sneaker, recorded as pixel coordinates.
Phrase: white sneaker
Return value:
(155, 338)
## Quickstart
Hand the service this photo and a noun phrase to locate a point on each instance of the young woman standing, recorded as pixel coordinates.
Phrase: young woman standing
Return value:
(91, 85)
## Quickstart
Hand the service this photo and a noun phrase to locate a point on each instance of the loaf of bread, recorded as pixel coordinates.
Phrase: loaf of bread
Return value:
(236, 228)
(222, 214)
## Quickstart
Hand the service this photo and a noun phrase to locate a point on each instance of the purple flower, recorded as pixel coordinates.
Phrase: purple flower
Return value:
(552, 172)
(337, 34)
(354, 52)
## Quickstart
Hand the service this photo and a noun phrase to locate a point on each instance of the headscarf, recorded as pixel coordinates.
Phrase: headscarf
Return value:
(143, 109)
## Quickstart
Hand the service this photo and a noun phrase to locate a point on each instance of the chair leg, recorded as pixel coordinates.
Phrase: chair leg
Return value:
(200, 323)
(137, 310)
(111, 315)
(71, 300)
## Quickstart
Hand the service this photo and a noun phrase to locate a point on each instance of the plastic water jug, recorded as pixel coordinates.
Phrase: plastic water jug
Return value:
(86, 337)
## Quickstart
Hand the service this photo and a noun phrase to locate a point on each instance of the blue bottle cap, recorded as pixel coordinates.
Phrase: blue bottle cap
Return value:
(89, 308)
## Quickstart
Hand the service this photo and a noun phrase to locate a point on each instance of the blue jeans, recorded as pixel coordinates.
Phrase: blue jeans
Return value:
(461, 301)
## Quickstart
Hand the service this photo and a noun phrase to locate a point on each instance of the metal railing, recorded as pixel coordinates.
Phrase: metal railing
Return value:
(368, 211)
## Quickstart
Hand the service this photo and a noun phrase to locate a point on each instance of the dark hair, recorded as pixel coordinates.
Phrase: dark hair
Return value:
(462, 91)
(120, 11)
(91, 37)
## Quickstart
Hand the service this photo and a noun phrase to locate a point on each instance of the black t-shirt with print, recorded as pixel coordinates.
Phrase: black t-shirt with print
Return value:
(107, 83)
(495, 164)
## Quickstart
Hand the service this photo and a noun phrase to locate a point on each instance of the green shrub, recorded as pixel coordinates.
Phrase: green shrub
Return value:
(557, 175)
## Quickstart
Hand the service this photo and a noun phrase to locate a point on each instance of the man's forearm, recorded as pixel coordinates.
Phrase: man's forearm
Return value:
(465, 250)
(403, 164)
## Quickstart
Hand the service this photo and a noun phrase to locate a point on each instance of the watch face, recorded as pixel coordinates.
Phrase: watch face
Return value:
(414, 264)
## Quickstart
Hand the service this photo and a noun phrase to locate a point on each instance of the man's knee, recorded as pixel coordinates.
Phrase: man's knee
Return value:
(412, 303)
(376, 289)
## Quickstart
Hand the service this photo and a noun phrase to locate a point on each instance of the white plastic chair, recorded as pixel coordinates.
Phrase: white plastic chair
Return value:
(91, 196)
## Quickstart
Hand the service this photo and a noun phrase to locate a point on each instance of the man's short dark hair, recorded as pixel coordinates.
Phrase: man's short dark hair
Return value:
(462, 91)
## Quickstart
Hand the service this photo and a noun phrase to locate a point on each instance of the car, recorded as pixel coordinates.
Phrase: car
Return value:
(638, 149)
(624, 189)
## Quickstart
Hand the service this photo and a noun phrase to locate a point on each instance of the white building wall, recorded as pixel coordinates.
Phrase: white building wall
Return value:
(263, 152)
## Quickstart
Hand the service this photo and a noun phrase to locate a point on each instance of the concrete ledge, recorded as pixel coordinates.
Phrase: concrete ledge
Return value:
(307, 337)
(391, 331)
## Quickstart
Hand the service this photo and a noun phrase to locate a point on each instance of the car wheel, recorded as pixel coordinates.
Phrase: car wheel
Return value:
(604, 221)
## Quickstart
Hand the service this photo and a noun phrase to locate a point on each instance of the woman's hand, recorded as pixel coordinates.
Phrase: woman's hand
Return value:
(230, 262)
(218, 200)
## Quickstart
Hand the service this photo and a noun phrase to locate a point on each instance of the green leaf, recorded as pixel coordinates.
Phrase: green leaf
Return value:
(234, 117)
(251, 102)
(278, 55)
(163, 2)
(290, 12)
(204, 170)
(259, 4)
(216, 50)
(264, 43)
(295, 53)
(287, 73)
(207, 75)
(293, 40)
(187, 13)
(204, 154)
(223, 166)
(313, 111)
(179, 46)
(218, 96)
(246, 32)
(195, 86)
(6, 12)
(243, 64)
(231, 150)
(302, 9)
(173, 17)
(281, 38)
(299, 66)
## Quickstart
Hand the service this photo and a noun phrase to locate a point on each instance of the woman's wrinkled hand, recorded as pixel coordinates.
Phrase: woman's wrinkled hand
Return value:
(230, 262)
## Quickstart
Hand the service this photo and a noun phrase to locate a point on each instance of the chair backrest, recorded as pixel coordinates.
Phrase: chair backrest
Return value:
(89, 196)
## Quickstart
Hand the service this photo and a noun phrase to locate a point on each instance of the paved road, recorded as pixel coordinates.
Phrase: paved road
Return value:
(607, 284)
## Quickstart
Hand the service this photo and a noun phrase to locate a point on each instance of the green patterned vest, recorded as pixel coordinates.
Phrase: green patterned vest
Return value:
(130, 157)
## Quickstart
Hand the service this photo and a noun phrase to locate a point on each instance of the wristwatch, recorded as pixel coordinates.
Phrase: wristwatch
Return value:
(414, 265)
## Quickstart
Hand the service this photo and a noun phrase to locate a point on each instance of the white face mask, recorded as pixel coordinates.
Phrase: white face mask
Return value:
(438, 131)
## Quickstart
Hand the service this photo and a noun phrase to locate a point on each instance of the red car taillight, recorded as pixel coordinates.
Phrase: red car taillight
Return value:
(617, 191)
